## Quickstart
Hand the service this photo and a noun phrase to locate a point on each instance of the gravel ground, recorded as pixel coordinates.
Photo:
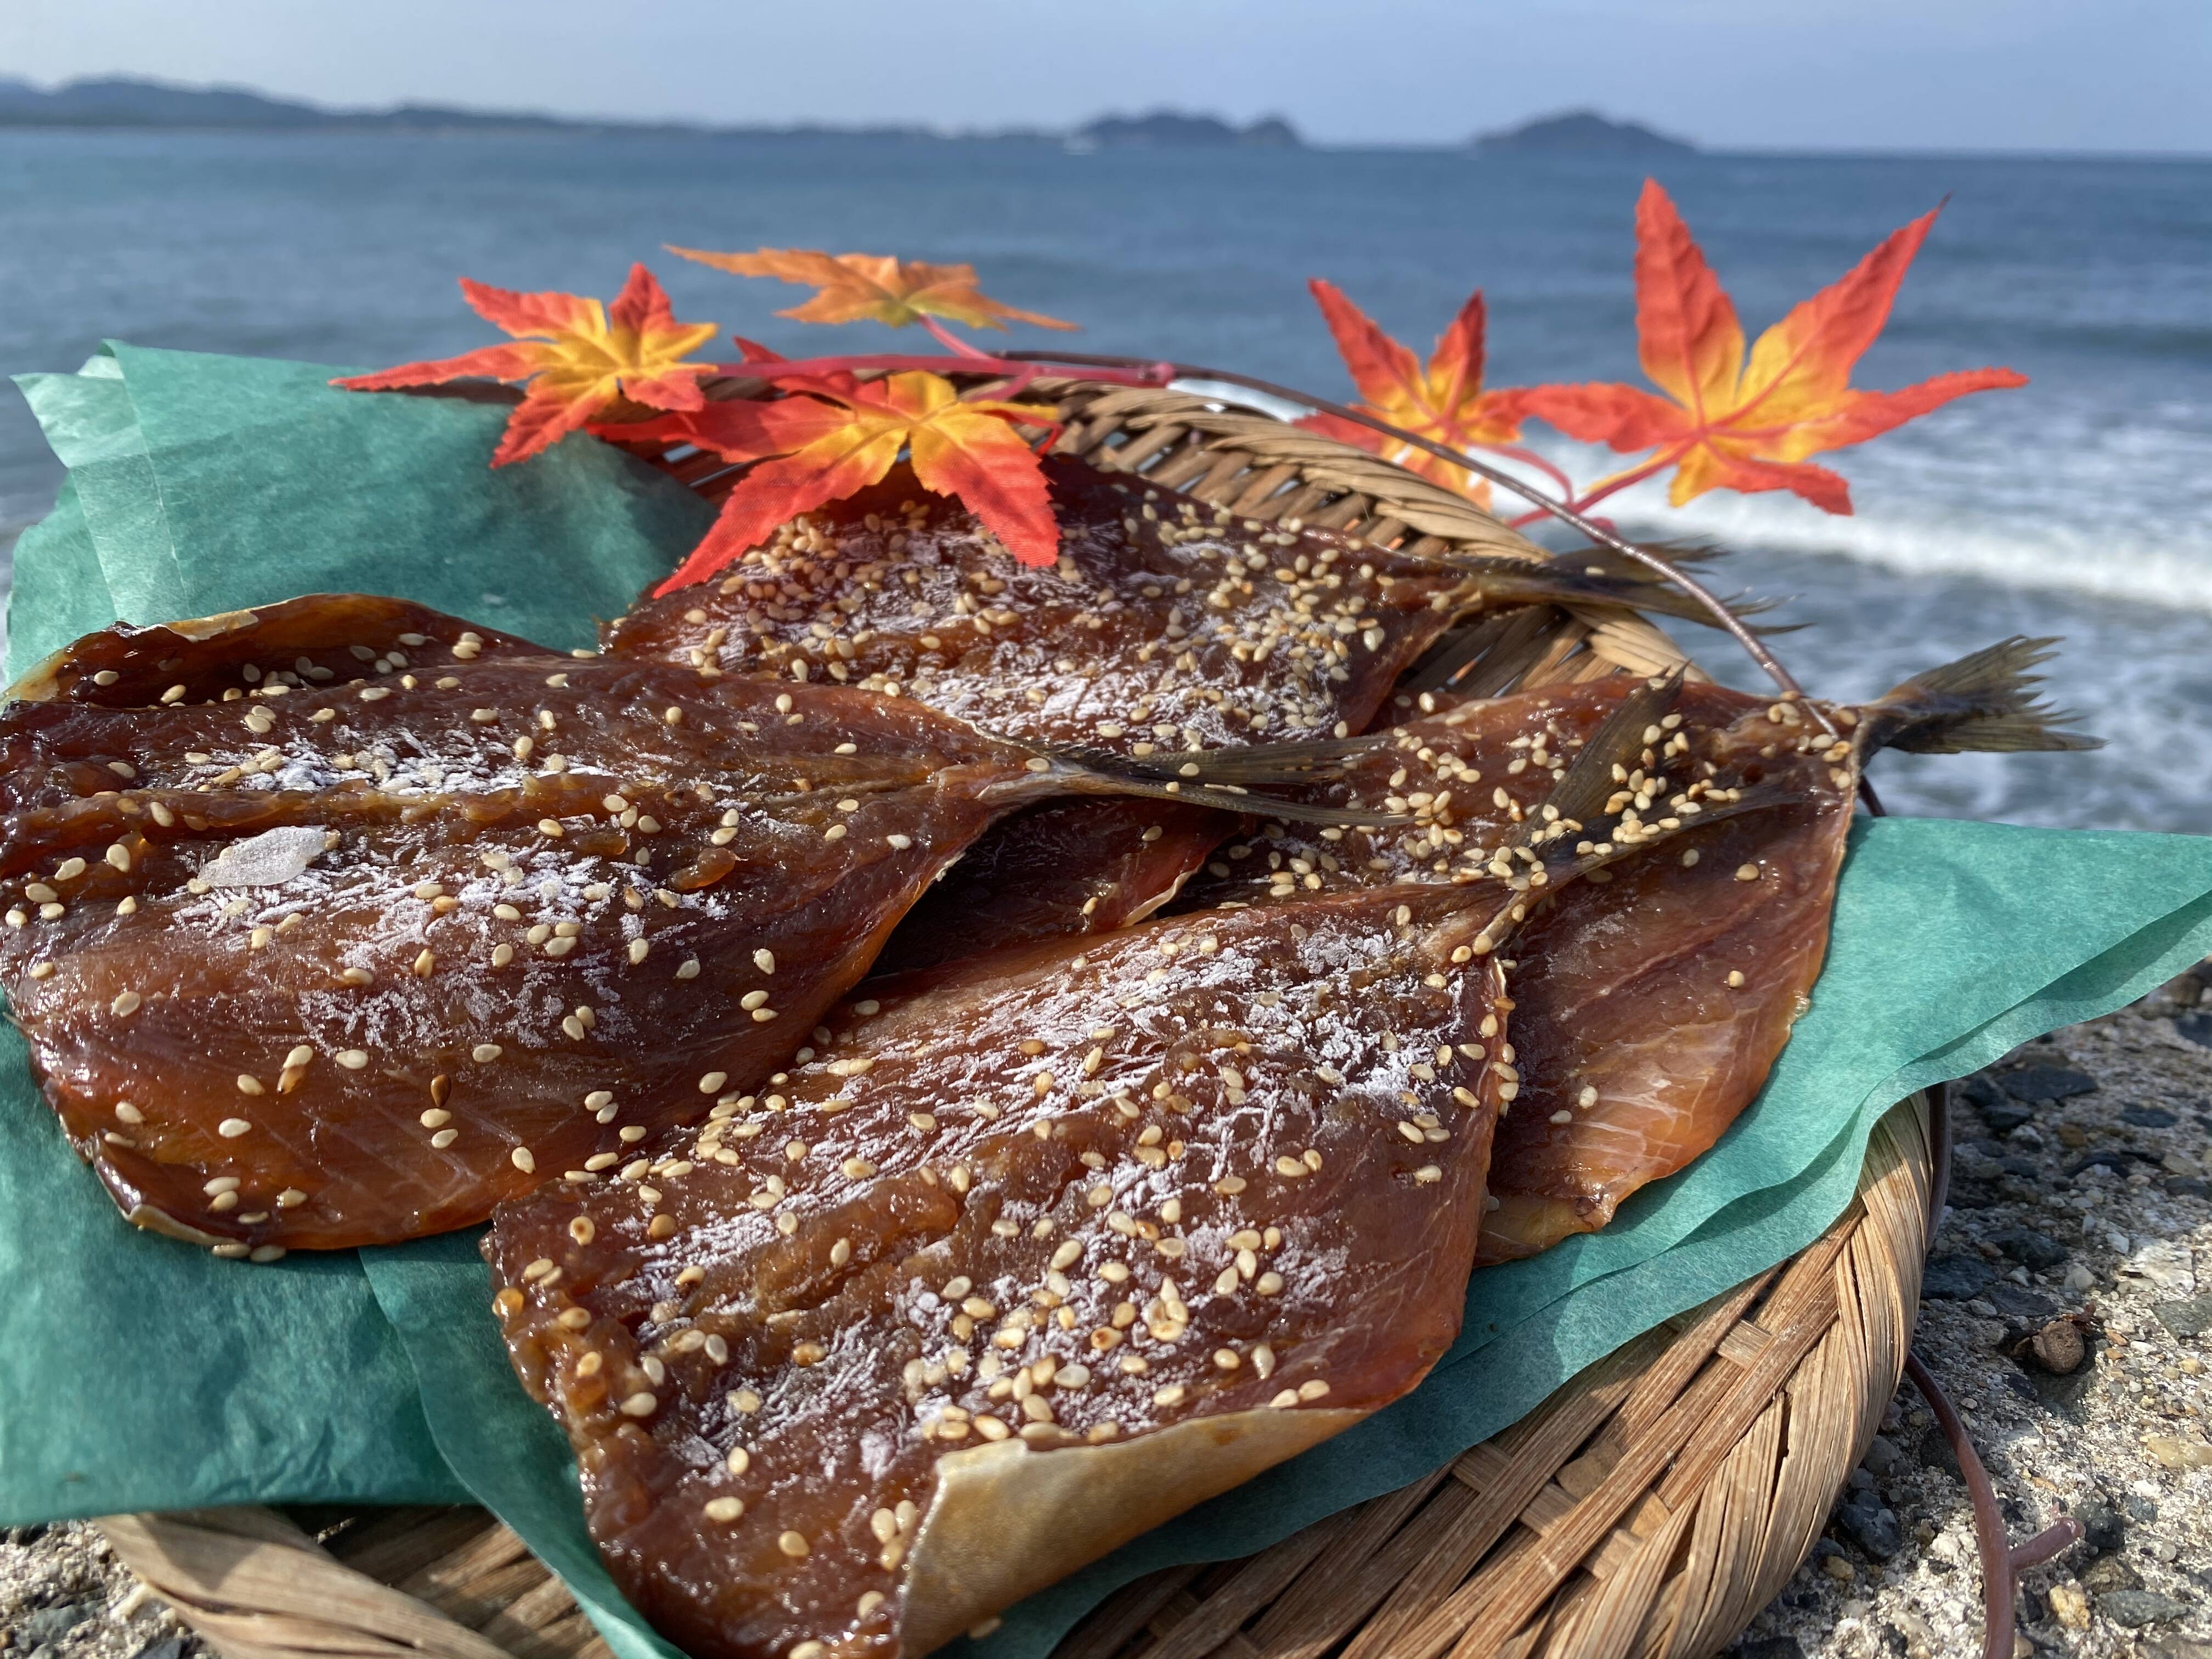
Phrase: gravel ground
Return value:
(2067, 1309)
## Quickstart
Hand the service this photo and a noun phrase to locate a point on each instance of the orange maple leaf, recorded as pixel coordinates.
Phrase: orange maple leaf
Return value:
(1727, 423)
(576, 357)
(838, 434)
(875, 287)
(1444, 402)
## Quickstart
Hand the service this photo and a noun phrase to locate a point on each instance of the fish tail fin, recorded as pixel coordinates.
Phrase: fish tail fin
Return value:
(1224, 778)
(1985, 702)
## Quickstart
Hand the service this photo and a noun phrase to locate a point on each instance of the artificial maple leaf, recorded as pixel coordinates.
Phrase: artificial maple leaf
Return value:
(576, 357)
(1444, 402)
(1727, 423)
(839, 435)
(873, 287)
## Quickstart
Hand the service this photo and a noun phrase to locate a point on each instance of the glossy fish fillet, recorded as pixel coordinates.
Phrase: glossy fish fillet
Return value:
(1653, 999)
(1167, 625)
(347, 961)
(1040, 1248)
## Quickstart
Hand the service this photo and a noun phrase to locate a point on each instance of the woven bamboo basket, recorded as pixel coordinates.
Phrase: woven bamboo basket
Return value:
(1652, 1505)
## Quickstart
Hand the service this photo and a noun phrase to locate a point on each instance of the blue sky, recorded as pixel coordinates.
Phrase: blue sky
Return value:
(2114, 75)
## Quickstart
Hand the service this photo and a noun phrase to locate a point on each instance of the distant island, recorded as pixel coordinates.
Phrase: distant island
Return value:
(1164, 128)
(1580, 132)
(123, 102)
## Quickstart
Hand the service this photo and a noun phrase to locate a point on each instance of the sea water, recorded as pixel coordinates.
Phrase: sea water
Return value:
(2080, 505)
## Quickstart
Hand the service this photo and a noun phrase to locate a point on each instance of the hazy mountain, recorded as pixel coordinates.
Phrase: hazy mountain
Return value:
(1580, 132)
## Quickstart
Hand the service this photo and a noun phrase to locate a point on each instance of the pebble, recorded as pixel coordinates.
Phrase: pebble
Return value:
(2149, 1117)
(1872, 1526)
(2031, 1249)
(2190, 1318)
(2040, 1085)
(1955, 1277)
(2137, 1608)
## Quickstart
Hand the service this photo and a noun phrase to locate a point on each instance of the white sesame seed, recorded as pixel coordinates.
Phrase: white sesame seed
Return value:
(640, 1404)
(484, 1052)
(126, 1002)
(765, 961)
(445, 1138)
(689, 970)
(231, 1128)
(712, 1082)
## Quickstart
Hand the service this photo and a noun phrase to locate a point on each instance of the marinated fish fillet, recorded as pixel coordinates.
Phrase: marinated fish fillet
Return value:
(1037, 1250)
(1167, 625)
(344, 962)
(1654, 999)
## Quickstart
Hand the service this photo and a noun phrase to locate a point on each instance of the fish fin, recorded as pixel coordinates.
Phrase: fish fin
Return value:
(1982, 702)
(1222, 778)
(1580, 795)
(1501, 581)
(1487, 656)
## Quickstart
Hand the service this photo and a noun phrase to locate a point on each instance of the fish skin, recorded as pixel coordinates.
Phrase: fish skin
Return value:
(1620, 982)
(425, 791)
(1372, 1258)
(1081, 652)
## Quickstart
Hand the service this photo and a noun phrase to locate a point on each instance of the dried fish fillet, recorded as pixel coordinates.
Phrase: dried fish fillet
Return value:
(1039, 1249)
(330, 963)
(1654, 999)
(1167, 625)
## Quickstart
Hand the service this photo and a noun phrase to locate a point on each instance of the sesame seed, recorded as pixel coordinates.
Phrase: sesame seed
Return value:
(423, 964)
(1735, 978)
(501, 954)
(484, 1052)
(231, 1128)
(445, 1138)
(689, 968)
(126, 1002)
(640, 1404)
(638, 948)
(724, 1509)
(1747, 872)
(69, 869)
(765, 961)
(524, 1159)
(352, 1059)
(1589, 1096)
(249, 1084)
(793, 1545)
(436, 1117)
(712, 1082)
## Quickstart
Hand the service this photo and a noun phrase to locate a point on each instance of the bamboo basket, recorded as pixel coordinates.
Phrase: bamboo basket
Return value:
(1651, 1506)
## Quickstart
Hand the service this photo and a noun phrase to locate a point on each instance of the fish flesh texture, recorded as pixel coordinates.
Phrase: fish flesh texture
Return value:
(1036, 1250)
(1167, 625)
(321, 961)
(1654, 998)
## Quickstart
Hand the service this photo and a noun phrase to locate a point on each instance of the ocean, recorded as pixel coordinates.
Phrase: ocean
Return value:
(2080, 505)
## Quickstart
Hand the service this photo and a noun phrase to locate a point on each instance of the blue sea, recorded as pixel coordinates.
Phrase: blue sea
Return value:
(2080, 505)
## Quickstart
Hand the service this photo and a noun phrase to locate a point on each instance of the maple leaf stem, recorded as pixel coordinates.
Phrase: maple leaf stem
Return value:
(1150, 374)
(1565, 512)
(951, 340)
(1612, 486)
(1530, 457)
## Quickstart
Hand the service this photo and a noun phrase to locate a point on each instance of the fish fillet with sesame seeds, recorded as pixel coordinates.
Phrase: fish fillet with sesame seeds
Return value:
(1654, 998)
(320, 962)
(1037, 1250)
(1167, 625)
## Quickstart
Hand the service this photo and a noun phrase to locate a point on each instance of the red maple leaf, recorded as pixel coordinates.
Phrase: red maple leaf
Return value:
(576, 357)
(1726, 422)
(837, 434)
(1444, 402)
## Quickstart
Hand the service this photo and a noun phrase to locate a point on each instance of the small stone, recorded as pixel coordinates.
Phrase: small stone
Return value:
(2038, 1085)
(2137, 1608)
(1840, 1568)
(2069, 1606)
(2058, 1348)
(2019, 1304)
(1980, 1090)
(2190, 1318)
(2149, 1117)
(2080, 1279)
(2197, 1028)
(2178, 1455)
(2107, 1573)
(2005, 1116)
(2031, 1249)
(1882, 1456)
(52, 1624)
(2188, 1186)
(1873, 1526)
(1955, 1277)
(169, 1647)
(2102, 1529)
(2139, 1508)
(1770, 1647)
(2166, 1263)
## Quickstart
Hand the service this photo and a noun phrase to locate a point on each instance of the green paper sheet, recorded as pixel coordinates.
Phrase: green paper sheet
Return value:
(138, 1373)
